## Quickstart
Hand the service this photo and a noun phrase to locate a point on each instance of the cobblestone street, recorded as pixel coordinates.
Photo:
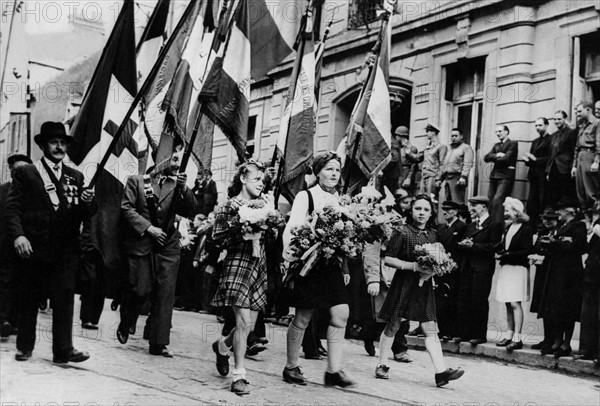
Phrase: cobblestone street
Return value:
(119, 375)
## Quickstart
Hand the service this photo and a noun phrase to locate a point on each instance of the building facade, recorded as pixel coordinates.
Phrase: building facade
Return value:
(465, 64)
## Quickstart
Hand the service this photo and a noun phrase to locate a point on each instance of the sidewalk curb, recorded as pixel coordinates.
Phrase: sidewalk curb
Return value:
(526, 356)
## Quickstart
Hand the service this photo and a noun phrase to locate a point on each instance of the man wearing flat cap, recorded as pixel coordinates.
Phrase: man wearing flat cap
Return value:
(476, 271)
(432, 157)
(8, 292)
(449, 234)
(44, 211)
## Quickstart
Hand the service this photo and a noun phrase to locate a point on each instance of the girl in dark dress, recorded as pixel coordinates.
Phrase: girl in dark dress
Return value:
(406, 300)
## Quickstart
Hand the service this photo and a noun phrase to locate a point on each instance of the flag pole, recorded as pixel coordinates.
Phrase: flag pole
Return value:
(299, 54)
(140, 93)
(376, 48)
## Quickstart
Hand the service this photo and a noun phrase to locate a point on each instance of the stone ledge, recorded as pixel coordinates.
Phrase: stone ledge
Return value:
(526, 356)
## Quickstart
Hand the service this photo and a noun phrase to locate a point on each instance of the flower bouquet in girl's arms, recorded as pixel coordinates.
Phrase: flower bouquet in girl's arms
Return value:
(254, 218)
(330, 234)
(433, 260)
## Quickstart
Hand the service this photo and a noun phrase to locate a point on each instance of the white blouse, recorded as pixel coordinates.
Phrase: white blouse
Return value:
(299, 210)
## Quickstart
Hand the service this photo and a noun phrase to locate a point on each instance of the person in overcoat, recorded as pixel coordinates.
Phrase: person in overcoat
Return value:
(151, 244)
(548, 229)
(537, 161)
(513, 285)
(449, 234)
(476, 272)
(562, 294)
(45, 207)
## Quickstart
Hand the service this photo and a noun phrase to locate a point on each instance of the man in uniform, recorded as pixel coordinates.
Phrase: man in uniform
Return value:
(44, 211)
(8, 293)
(433, 157)
(151, 244)
(587, 157)
(457, 166)
(409, 161)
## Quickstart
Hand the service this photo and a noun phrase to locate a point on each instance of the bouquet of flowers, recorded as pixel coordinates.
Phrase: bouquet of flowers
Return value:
(433, 260)
(255, 217)
(331, 234)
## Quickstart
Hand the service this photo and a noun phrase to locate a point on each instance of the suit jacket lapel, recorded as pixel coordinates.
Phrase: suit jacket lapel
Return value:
(57, 183)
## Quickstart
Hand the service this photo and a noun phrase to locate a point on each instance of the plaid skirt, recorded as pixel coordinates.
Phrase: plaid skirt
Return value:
(242, 282)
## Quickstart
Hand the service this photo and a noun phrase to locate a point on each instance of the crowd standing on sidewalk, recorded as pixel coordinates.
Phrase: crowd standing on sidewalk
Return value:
(182, 251)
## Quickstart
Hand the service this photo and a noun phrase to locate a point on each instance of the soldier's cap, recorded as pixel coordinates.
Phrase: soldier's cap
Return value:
(402, 131)
(18, 158)
(479, 200)
(450, 205)
(401, 194)
(432, 127)
(52, 129)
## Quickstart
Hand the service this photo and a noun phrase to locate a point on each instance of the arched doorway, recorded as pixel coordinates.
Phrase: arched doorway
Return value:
(341, 107)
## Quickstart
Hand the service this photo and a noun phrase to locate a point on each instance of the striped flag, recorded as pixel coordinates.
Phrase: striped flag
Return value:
(296, 132)
(226, 91)
(368, 137)
(274, 26)
(108, 98)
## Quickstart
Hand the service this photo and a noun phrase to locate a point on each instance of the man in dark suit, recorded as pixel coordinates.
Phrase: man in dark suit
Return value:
(476, 271)
(449, 234)
(558, 170)
(44, 210)
(537, 161)
(504, 156)
(205, 191)
(151, 243)
(8, 293)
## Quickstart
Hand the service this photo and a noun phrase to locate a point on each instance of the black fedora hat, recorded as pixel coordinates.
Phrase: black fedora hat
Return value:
(51, 129)
(567, 202)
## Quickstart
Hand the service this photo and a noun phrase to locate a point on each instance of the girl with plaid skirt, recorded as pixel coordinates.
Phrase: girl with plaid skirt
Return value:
(323, 287)
(243, 279)
(406, 300)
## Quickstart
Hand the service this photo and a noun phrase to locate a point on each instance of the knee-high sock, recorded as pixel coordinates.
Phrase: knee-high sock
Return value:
(385, 347)
(295, 335)
(434, 348)
(335, 343)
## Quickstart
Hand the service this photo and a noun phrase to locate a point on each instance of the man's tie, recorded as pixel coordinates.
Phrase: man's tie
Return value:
(478, 224)
(57, 171)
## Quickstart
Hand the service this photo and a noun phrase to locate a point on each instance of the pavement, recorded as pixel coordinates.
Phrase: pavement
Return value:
(127, 375)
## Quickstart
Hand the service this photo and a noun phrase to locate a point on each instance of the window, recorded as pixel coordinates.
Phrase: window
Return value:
(589, 66)
(250, 140)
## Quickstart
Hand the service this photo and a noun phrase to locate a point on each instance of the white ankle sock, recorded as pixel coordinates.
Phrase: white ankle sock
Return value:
(516, 337)
(238, 374)
(385, 348)
(223, 348)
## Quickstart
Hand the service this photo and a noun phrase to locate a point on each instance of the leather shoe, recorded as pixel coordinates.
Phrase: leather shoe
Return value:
(74, 356)
(338, 378)
(294, 375)
(503, 343)
(369, 347)
(476, 341)
(562, 352)
(403, 357)
(457, 340)
(538, 346)
(162, 350)
(312, 356)
(22, 355)
(5, 330)
(448, 375)
(240, 387)
(122, 334)
(547, 349)
(515, 345)
(89, 326)
(322, 351)
(262, 340)
(222, 360)
(255, 349)
(382, 372)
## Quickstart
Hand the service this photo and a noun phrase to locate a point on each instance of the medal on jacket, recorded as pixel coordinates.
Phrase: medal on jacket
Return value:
(148, 190)
(71, 192)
